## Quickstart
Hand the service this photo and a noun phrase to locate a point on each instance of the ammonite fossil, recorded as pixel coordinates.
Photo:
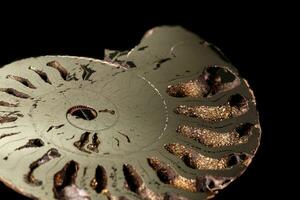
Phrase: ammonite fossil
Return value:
(169, 119)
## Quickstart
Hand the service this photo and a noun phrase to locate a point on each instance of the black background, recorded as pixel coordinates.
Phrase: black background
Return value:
(246, 34)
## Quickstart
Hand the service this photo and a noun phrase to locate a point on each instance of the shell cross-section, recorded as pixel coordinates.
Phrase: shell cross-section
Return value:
(169, 119)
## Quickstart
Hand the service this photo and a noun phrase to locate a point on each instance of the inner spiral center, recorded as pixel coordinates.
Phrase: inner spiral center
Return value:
(83, 112)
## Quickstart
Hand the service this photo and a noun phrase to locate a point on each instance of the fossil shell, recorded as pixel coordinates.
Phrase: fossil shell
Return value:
(169, 119)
